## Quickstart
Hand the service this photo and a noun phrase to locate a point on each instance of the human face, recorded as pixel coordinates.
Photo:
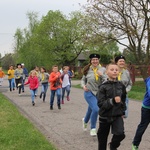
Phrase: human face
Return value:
(112, 71)
(11, 67)
(55, 69)
(65, 70)
(121, 63)
(95, 62)
(42, 70)
(19, 66)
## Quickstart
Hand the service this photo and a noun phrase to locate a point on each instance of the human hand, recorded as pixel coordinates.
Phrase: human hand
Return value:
(99, 73)
(117, 99)
(85, 88)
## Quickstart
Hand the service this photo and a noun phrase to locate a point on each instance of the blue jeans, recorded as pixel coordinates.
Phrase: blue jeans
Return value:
(33, 92)
(93, 109)
(145, 120)
(44, 90)
(127, 107)
(58, 93)
(11, 83)
(67, 89)
(23, 81)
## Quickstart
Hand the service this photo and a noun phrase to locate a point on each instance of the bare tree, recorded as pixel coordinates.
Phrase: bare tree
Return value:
(124, 19)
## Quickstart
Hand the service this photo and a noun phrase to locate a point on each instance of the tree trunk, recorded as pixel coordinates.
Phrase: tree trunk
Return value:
(144, 71)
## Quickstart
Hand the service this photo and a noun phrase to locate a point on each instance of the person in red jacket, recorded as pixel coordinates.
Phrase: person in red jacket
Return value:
(33, 81)
(55, 86)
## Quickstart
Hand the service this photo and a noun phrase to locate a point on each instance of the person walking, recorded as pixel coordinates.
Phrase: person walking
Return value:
(37, 69)
(44, 77)
(111, 97)
(25, 75)
(65, 76)
(93, 75)
(145, 117)
(55, 86)
(18, 77)
(124, 77)
(11, 80)
(33, 81)
(2, 75)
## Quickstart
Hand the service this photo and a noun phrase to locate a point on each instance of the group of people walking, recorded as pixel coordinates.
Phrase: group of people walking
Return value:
(105, 91)
(59, 82)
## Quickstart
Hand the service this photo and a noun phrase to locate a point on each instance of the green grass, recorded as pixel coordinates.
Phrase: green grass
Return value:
(137, 92)
(16, 132)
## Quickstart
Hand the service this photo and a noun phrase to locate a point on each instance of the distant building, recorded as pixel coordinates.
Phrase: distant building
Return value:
(82, 58)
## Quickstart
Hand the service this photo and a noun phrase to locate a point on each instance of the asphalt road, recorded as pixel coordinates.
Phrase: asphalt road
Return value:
(63, 127)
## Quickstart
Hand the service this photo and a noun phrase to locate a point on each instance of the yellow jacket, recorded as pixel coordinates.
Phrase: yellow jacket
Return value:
(11, 73)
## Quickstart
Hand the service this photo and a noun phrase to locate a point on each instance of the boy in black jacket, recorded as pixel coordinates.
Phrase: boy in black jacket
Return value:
(111, 97)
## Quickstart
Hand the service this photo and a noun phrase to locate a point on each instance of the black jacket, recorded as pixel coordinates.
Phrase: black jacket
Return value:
(107, 91)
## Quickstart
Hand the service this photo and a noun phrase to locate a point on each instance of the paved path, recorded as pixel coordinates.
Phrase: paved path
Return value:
(64, 127)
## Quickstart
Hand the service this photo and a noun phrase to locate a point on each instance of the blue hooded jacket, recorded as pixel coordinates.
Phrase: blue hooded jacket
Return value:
(146, 101)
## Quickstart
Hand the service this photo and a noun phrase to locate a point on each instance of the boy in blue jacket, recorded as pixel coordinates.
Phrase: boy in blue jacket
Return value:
(145, 117)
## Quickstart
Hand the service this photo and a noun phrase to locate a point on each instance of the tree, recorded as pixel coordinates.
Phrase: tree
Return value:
(7, 60)
(124, 19)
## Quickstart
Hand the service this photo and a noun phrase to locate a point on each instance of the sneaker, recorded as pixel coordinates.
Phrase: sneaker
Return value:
(93, 132)
(84, 125)
(111, 148)
(51, 107)
(41, 95)
(33, 103)
(62, 101)
(59, 107)
(68, 99)
(19, 84)
(134, 147)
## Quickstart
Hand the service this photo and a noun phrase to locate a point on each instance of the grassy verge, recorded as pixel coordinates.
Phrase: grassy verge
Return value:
(16, 132)
(137, 92)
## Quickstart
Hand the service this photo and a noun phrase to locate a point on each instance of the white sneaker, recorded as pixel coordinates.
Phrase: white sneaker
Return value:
(93, 132)
(84, 125)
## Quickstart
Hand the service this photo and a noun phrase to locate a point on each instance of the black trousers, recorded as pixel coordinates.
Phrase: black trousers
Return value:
(117, 129)
(19, 81)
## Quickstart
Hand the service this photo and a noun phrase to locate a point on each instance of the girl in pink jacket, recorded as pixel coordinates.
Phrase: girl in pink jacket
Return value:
(33, 81)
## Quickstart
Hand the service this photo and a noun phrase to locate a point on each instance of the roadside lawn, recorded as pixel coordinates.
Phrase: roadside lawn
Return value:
(16, 132)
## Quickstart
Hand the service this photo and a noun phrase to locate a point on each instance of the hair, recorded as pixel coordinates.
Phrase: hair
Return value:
(43, 69)
(65, 67)
(86, 68)
(113, 63)
(54, 66)
(33, 71)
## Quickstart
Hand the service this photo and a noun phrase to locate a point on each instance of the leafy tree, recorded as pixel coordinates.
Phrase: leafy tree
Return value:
(124, 19)
(7, 60)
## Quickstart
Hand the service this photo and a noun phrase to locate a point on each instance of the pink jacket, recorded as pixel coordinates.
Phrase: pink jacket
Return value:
(33, 81)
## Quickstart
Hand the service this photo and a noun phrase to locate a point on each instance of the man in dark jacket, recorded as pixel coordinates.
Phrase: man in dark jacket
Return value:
(111, 97)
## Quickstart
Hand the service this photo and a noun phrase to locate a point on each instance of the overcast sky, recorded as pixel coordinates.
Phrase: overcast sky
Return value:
(13, 16)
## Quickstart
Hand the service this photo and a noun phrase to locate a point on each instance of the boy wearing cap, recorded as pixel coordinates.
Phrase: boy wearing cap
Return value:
(93, 75)
(124, 77)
